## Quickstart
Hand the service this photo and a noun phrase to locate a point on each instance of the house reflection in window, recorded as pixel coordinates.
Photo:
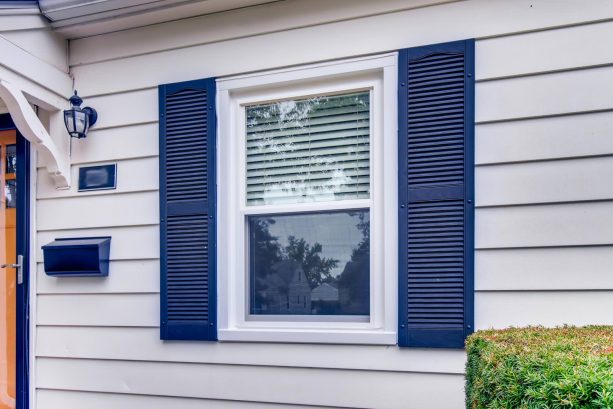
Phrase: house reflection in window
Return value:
(310, 264)
(10, 194)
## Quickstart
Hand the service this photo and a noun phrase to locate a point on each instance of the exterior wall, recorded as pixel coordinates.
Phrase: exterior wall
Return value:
(543, 228)
(33, 57)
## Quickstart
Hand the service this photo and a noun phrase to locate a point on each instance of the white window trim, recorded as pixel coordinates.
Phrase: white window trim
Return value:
(378, 73)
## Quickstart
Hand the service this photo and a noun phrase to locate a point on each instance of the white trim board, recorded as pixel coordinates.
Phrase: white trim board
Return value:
(377, 73)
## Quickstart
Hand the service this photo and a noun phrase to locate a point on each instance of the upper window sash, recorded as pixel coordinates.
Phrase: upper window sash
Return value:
(313, 149)
(241, 99)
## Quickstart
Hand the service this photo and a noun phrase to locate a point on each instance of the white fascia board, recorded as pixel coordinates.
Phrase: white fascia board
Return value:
(81, 19)
(33, 69)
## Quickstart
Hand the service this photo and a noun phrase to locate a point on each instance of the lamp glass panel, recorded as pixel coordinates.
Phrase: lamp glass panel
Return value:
(81, 121)
(68, 121)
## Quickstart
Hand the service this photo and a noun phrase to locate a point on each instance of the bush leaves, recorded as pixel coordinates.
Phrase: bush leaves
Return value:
(534, 368)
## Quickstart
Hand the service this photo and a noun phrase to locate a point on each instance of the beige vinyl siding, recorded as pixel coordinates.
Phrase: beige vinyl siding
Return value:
(51, 398)
(366, 389)
(544, 234)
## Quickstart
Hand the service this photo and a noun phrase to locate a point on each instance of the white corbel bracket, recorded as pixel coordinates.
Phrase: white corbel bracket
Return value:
(28, 124)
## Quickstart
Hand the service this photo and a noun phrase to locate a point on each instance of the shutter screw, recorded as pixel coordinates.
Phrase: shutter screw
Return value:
(469, 75)
(401, 325)
(161, 220)
(211, 217)
(402, 206)
(469, 326)
(469, 201)
(402, 84)
(211, 324)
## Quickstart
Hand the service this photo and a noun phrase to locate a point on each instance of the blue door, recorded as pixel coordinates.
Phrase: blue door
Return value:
(14, 239)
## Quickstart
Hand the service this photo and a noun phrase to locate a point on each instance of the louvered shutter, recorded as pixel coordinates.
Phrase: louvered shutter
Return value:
(187, 210)
(436, 192)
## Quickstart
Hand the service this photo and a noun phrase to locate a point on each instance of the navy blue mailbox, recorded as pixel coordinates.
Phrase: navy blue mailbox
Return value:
(78, 257)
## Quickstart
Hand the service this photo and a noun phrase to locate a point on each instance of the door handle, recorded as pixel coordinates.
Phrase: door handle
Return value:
(18, 266)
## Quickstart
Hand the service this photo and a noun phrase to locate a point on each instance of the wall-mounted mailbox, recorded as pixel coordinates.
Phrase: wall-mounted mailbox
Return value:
(77, 257)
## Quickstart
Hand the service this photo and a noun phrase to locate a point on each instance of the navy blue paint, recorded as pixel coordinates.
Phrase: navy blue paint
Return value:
(432, 194)
(403, 197)
(469, 186)
(190, 209)
(101, 177)
(77, 257)
(23, 240)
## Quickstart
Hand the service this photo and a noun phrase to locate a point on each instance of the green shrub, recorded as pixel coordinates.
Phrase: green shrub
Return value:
(535, 367)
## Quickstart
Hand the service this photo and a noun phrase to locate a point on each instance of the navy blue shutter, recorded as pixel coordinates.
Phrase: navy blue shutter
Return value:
(187, 210)
(436, 193)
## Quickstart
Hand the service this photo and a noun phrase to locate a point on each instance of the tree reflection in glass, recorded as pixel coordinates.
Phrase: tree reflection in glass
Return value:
(308, 150)
(310, 264)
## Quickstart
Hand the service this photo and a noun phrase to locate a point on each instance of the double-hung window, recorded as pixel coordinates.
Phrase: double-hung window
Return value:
(330, 203)
(307, 182)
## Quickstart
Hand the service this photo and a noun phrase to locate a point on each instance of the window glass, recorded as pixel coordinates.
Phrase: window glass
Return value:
(310, 264)
(10, 194)
(11, 159)
(308, 150)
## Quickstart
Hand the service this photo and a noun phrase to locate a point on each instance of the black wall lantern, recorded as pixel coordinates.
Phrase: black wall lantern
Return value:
(78, 120)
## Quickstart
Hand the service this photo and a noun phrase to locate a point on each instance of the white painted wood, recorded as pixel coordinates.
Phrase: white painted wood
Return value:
(519, 309)
(68, 12)
(541, 95)
(544, 225)
(127, 243)
(386, 32)
(115, 210)
(125, 276)
(31, 67)
(58, 399)
(127, 142)
(120, 310)
(15, 21)
(134, 175)
(36, 93)
(321, 332)
(379, 75)
(578, 268)
(328, 387)
(30, 126)
(542, 182)
(544, 138)
(143, 344)
(544, 51)
(183, 9)
(212, 28)
(45, 44)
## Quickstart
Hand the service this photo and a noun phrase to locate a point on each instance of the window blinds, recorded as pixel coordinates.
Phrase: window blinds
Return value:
(315, 149)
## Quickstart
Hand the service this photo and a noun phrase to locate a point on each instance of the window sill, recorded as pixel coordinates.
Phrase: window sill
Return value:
(309, 336)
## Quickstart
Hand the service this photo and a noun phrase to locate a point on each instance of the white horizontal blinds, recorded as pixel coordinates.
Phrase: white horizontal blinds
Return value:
(306, 150)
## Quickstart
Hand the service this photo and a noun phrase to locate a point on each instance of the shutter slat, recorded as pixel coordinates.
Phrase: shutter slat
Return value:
(436, 117)
(187, 210)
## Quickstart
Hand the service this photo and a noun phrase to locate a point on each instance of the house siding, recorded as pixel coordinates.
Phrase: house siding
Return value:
(544, 234)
